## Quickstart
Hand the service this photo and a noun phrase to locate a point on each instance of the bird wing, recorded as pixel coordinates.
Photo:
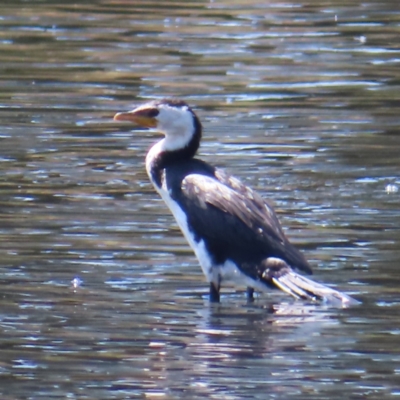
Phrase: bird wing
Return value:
(234, 220)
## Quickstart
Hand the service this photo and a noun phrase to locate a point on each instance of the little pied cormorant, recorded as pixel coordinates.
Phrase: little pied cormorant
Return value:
(234, 233)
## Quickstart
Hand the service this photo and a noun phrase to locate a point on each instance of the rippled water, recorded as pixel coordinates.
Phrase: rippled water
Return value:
(300, 100)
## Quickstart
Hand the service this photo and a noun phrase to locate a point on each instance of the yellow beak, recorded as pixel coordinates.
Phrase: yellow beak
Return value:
(138, 116)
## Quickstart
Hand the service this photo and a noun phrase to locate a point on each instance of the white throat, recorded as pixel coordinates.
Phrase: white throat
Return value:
(177, 124)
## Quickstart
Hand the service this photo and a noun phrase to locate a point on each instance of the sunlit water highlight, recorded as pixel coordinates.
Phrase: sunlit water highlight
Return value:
(101, 296)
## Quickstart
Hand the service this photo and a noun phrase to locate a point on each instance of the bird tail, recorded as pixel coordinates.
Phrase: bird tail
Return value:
(282, 276)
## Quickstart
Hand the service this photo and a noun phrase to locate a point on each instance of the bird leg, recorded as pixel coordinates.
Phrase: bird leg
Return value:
(214, 293)
(250, 294)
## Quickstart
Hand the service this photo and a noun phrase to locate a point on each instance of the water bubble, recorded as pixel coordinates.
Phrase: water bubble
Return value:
(76, 282)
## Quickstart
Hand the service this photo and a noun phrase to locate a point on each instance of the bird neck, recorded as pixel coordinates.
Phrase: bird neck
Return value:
(161, 156)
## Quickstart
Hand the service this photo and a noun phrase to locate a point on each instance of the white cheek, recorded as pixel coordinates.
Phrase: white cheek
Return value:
(177, 125)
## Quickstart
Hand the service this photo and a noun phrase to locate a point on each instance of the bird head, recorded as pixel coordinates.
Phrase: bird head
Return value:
(174, 118)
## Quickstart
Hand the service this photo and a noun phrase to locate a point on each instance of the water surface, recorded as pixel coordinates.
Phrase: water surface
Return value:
(299, 100)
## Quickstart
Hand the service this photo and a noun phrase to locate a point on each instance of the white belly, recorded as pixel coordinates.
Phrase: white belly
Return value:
(227, 271)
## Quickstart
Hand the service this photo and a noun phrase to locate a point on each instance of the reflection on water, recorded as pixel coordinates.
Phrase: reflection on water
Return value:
(299, 100)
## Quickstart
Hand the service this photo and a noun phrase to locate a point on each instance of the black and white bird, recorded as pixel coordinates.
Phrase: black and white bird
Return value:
(234, 233)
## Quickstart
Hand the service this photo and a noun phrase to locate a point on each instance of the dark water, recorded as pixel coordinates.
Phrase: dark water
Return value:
(299, 99)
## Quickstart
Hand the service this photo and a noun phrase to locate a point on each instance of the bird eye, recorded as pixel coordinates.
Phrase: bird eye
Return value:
(153, 112)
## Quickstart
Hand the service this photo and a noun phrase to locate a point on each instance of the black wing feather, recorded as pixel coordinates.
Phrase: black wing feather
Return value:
(234, 221)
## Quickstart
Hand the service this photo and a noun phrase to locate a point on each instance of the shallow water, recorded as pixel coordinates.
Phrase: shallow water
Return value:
(299, 100)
